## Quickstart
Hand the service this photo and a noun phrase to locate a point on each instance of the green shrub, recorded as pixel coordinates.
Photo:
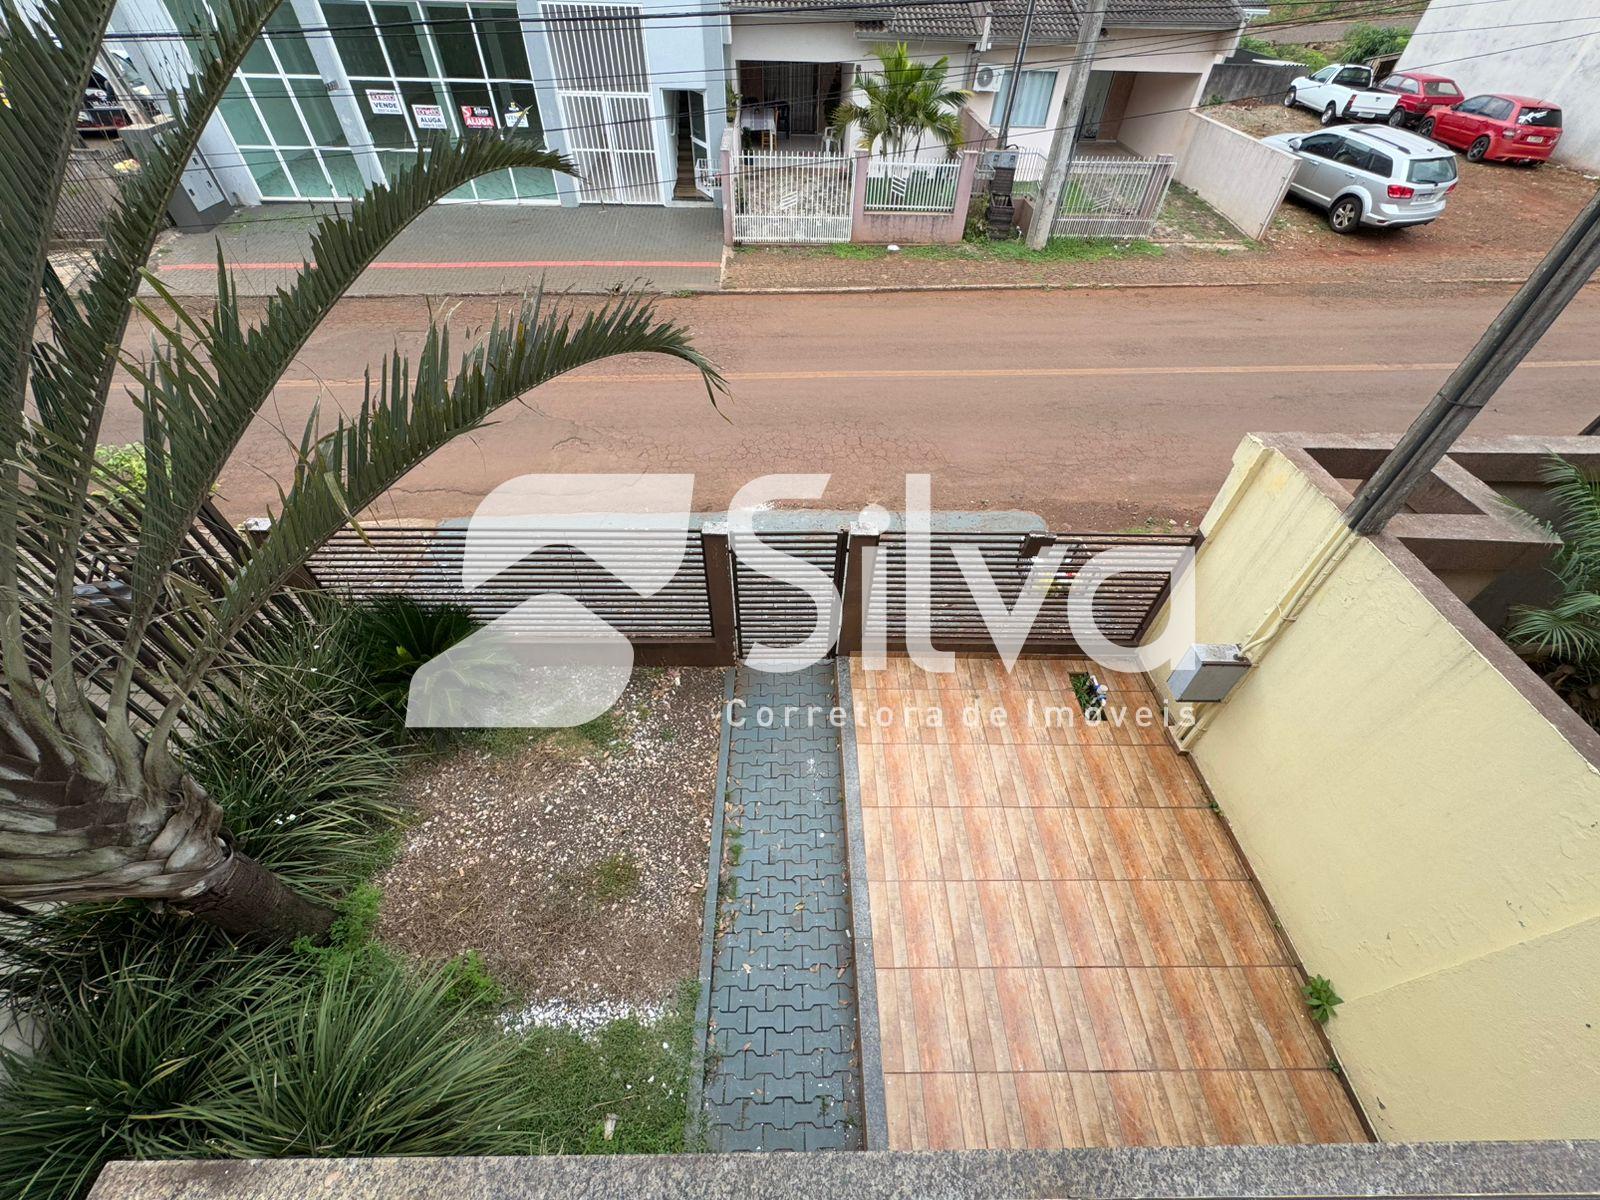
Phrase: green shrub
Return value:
(122, 468)
(1365, 41)
(307, 788)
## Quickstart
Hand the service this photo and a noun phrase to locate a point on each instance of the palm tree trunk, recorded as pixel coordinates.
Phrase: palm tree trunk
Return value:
(247, 900)
(69, 835)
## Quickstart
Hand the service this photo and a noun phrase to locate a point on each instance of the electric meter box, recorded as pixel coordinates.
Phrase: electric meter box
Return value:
(1207, 672)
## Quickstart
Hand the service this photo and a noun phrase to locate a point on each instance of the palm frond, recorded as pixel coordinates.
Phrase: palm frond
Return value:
(70, 377)
(1568, 630)
(209, 377)
(413, 409)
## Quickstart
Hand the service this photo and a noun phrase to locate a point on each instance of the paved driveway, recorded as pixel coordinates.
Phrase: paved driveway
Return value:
(470, 250)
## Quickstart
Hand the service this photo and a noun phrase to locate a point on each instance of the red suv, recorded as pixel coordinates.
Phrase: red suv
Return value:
(1420, 93)
(1497, 127)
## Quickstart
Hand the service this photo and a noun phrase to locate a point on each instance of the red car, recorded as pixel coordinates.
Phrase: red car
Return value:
(1499, 128)
(1420, 93)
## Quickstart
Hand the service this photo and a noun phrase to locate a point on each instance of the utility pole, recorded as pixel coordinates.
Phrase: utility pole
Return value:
(1091, 18)
(1518, 328)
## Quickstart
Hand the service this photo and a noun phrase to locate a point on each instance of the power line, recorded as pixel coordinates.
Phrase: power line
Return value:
(1126, 117)
(1131, 48)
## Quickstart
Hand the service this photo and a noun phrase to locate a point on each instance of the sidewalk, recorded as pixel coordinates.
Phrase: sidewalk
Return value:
(468, 249)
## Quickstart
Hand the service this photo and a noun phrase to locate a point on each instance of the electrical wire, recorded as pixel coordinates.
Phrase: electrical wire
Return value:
(718, 175)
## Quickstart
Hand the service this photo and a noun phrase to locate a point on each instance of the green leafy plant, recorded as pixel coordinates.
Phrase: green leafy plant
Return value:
(75, 731)
(1090, 699)
(906, 100)
(395, 635)
(1562, 639)
(1365, 41)
(122, 467)
(1320, 998)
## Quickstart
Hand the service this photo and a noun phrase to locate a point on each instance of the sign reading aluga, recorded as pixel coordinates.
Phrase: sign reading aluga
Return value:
(429, 116)
(385, 104)
(477, 116)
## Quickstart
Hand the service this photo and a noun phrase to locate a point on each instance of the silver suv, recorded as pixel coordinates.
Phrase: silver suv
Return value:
(1370, 175)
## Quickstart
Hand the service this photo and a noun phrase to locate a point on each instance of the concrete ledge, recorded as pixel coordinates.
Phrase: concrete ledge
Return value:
(1420, 1169)
(695, 1124)
(869, 1034)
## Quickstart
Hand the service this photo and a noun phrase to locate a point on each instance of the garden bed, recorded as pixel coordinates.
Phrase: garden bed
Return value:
(574, 862)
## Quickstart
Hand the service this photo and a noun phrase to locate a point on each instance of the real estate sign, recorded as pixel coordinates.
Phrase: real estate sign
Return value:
(384, 104)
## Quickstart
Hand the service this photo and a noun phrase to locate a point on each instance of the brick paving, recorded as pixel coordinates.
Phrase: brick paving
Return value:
(783, 1070)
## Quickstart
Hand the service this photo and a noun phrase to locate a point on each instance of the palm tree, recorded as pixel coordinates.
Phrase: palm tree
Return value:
(1563, 639)
(95, 802)
(906, 100)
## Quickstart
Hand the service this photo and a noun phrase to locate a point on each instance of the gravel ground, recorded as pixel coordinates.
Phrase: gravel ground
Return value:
(577, 870)
(1499, 223)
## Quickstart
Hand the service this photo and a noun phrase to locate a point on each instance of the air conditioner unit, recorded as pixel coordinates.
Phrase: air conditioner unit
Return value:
(986, 79)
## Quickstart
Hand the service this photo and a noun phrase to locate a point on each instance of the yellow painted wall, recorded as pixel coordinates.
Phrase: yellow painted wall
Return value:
(1430, 841)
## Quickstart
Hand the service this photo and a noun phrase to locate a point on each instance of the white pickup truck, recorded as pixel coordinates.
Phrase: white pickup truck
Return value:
(1341, 91)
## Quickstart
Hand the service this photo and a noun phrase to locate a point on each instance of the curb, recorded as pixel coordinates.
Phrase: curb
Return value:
(1076, 287)
(694, 1123)
(869, 1035)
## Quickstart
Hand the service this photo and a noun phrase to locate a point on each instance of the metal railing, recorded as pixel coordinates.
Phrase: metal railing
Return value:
(717, 606)
(787, 196)
(1113, 197)
(902, 183)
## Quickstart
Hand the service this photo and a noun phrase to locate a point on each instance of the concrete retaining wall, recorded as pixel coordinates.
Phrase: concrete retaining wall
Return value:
(1250, 80)
(1493, 48)
(1241, 178)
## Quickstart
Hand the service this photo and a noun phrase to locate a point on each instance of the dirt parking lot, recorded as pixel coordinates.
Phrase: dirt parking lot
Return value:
(1501, 217)
(1500, 221)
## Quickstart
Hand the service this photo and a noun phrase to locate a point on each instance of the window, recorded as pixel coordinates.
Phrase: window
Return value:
(436, 68)
(1432, 170)
(1322, 145)
(1380, 164)
(1475, 105)
(1356, 77)
(1324, 75)
(1032, 107)
(1441, 87)
(1400, 83)
(1497, 108)
(1548, 118)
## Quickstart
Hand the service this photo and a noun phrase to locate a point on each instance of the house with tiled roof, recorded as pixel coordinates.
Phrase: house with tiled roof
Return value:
(1151, 62)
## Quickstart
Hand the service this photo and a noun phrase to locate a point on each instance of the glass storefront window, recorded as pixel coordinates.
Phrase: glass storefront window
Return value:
(455, 66)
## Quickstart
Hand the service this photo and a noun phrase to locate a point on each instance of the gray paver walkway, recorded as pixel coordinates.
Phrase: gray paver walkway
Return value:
(469, 249)
(782, 1070)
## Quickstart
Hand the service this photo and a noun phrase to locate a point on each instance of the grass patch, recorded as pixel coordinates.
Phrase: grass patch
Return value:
(1016, 250)
(614, 878)
(636, 1071)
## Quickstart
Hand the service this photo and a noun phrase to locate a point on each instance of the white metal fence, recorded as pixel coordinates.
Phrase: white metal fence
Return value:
(1113, 197)
(1030, 170)
(792, 197)
(903, 184)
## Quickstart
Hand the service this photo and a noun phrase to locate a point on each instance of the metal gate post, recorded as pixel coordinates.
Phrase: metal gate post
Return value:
(861, 552)
(718, 557)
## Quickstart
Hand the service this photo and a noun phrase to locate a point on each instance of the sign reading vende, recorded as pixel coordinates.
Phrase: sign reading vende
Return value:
(477, 116)
(385, 104)
(429, 116)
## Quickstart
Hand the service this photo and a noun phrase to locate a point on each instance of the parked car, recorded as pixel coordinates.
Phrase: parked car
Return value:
(1419, 94)
(1370, 175)
(1341, 90)
(1497, 128)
